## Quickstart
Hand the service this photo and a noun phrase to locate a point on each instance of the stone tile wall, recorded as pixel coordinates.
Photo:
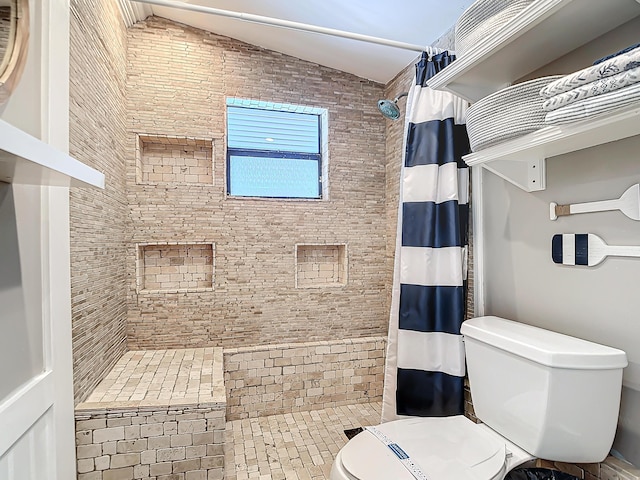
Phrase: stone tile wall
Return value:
(321, 266)
(173, 160)
(99, 218)
(178, 81)
(176, 443)
(157, 415)
(277, 379)
(175, 267)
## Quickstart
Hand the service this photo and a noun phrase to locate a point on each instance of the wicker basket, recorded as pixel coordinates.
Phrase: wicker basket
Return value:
(482, 18)
(508, 113)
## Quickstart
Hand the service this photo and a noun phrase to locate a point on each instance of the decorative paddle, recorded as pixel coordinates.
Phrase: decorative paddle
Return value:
(628, 203)
(586, 249)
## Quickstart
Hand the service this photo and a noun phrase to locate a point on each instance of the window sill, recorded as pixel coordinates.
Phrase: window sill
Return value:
(276, 199)
(177, 290)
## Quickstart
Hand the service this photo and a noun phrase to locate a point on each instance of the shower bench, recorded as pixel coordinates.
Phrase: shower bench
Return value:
(159, 414)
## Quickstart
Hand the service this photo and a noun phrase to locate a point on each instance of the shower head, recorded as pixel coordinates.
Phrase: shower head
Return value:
(389, 108)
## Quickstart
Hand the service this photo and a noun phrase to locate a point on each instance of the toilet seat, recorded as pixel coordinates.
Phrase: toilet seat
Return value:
(444, 448)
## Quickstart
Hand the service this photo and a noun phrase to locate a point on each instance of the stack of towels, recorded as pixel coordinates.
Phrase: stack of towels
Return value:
(612, 82)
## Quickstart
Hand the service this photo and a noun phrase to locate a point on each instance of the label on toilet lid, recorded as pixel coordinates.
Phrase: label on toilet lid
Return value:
(402, 456)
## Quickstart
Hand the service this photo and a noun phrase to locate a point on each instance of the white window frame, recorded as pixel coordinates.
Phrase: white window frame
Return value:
(323, 116)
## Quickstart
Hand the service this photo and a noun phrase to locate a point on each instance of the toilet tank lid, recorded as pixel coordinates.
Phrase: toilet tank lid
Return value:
(543, 346)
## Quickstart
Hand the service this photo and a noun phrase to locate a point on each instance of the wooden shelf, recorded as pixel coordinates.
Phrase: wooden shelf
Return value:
(545, 31)
(27, 160)
(522, 161)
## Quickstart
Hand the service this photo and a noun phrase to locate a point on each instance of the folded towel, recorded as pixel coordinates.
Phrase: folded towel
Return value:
(597, 105)
(599, 87)
(608, 68)
(624, 50)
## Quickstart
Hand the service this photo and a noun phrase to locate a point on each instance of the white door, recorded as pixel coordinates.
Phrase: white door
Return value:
(36, 392)
(36, 368)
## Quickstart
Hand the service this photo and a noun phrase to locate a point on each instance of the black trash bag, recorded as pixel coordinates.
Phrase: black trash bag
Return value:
(538, 474)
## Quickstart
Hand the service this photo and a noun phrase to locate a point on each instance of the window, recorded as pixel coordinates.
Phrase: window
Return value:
(275, 150)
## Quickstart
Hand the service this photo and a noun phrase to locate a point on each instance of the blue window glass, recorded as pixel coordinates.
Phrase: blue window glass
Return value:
(273, 150)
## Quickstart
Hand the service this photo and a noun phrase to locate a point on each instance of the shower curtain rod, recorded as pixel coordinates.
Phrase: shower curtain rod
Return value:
(248, 17)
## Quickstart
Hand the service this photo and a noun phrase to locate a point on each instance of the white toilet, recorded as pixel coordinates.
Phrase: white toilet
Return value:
(539, 393)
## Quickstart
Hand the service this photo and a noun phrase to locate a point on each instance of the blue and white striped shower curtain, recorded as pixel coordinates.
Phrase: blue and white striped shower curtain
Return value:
(425, 364)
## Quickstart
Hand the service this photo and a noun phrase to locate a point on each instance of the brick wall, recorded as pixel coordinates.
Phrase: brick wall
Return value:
(274, 379)
(186, 267)
(98, 218)
(157, 415)
(173, 160)
(174, 443)
(179, 79)
(321, 266)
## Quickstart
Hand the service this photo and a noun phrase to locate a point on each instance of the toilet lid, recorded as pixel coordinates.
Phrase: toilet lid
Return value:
(447, 448)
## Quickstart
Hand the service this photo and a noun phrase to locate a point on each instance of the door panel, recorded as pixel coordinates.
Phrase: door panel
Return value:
(36, 396)
(21, 328)
(27, 459)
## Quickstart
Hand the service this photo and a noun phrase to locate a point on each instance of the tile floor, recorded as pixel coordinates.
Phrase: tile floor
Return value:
(292, 446)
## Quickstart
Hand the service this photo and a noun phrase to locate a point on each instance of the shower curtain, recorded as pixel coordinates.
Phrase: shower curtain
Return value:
(425, 363)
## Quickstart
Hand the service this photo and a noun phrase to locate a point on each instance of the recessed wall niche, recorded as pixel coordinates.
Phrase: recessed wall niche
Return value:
(174, 267)
(321, 265)
(164, 159)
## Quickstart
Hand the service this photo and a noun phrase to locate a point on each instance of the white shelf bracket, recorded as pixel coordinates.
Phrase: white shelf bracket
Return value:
(527, 174)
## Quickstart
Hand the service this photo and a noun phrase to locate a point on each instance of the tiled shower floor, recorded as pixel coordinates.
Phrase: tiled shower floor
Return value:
(292, 446)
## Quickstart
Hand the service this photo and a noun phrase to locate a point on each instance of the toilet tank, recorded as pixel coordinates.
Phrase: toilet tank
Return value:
(555, 396)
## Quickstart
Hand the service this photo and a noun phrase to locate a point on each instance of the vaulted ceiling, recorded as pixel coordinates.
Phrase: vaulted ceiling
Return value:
(418, 22)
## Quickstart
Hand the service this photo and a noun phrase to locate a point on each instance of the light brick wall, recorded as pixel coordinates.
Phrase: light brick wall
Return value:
(179, 79)
(173, 160)
(321, 265)
(98, 217)
(158, 415)
(276, 379)
(186, 267)
(183, 443)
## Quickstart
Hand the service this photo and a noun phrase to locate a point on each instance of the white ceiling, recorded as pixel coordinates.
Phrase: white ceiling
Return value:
(419, 22)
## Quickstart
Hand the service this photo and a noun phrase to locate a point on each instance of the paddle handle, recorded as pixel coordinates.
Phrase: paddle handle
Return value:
(622, 250)
(602, 206)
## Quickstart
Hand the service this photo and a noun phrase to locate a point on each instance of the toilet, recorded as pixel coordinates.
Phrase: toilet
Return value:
(539, 394)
